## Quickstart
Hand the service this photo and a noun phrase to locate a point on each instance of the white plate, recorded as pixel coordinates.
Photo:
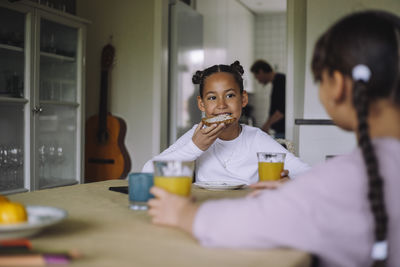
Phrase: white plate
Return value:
(38, 218)
(219, 185)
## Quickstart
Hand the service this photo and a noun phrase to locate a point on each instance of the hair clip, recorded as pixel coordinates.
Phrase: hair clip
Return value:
(380, 250)
(361, 73)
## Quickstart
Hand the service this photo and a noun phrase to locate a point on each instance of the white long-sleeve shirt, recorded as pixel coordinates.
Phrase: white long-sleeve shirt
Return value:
(232, 161)
(326, 212)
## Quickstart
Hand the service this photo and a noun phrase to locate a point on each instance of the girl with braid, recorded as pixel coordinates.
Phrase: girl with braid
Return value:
(225, 152)
(344, 211)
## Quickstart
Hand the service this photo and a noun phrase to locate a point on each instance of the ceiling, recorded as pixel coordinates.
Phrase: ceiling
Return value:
(265, 6)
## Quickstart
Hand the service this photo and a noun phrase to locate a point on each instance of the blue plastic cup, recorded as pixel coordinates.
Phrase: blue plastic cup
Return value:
(139, 190)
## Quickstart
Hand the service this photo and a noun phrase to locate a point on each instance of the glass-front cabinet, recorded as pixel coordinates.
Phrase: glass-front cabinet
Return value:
(41, 97)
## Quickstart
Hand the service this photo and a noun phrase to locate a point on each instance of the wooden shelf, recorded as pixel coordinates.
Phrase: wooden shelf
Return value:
(12, 48)
(56, 56)
(13, 100)
(62, 103)
(61, 81)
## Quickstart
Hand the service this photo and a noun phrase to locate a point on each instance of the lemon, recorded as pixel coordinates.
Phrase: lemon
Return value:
(12, 212)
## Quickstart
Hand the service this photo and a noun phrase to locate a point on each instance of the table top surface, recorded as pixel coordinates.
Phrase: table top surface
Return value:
(102, 227)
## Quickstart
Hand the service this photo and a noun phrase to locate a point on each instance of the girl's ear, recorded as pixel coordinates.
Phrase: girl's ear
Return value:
(200, 104)
(339, 90)
(245, 98)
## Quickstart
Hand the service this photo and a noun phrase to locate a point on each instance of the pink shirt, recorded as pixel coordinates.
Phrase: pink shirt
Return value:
(325, 212)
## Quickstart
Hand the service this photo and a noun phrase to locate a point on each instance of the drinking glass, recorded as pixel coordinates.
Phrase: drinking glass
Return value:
(139, 189)
(270, 165)
(174, 176)
(3, 182)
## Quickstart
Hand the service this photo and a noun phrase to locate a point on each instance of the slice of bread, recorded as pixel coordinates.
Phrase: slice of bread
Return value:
(223, 118)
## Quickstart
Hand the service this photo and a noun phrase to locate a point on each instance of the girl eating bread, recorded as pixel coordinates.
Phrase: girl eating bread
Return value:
(222, 148)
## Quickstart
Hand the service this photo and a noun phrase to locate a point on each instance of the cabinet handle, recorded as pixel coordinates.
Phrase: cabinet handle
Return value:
(37, 109)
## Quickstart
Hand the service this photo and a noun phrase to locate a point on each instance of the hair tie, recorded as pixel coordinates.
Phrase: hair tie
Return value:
(379, 250)
(361, 73)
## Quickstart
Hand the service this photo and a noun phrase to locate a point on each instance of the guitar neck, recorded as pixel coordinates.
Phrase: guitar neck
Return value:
(103, 102)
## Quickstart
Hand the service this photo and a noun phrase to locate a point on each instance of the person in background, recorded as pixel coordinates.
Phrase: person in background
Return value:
(225, 152)
(345, 210)
(264, 74)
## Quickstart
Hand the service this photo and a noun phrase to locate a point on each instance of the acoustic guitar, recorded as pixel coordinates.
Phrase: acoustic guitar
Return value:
(106, 156)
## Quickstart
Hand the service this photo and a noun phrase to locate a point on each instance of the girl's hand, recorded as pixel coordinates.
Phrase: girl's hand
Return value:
(269, 184)
(285, 174)
(203, 138)
(171, 210)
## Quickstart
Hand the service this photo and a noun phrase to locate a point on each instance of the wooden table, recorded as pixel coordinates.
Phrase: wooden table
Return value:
(102, 227)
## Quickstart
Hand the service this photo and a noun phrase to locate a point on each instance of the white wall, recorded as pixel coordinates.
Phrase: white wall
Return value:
(228, 35)
(270, 39)
(135, 88)
(311, 18)
(320, 15)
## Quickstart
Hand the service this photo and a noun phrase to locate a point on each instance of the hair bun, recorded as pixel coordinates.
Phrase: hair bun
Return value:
(237, 67)
(197, 77)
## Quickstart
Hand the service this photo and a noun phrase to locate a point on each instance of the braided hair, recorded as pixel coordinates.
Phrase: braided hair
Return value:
(235, 69)
(369, 38)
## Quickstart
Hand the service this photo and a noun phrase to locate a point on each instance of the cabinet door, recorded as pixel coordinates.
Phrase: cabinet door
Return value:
(14, 107)
(57, 125)
(57, 145)
(11, 146)
(12, 44)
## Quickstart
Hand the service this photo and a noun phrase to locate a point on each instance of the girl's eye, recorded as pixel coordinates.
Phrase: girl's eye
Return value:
(211, 98)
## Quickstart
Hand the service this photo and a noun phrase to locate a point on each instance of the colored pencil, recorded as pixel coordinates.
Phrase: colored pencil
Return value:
(17, 243)
(36, 258)
(32, 260)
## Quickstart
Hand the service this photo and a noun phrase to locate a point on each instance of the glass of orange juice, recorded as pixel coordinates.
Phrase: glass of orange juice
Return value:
(270, 165)
(174, 176)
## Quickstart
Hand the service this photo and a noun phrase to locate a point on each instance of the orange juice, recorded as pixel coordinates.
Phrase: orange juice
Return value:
(270, 171)
(179, 185)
